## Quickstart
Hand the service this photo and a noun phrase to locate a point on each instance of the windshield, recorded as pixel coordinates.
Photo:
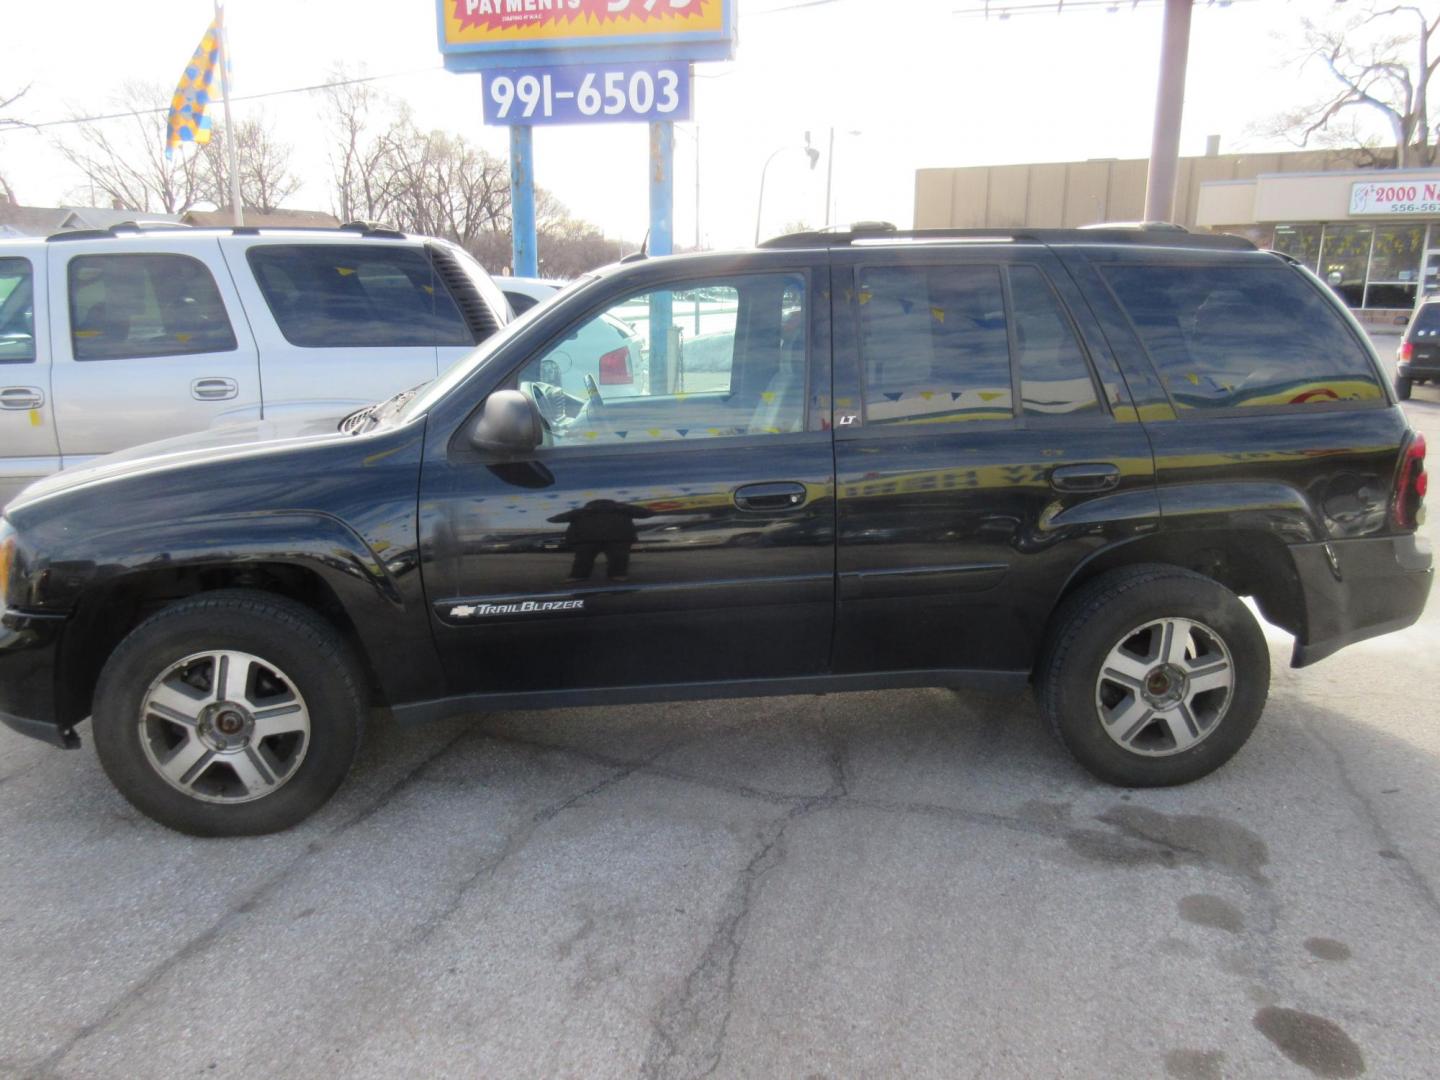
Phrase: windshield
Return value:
(459, 371)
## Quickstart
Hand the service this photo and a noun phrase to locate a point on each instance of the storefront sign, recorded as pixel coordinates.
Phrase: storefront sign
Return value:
(479, 34)
(587, 94)
(1395, 197)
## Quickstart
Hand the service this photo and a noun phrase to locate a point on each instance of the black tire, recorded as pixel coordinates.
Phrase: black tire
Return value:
(1402, 388)
(1097, 618)
(299, 643)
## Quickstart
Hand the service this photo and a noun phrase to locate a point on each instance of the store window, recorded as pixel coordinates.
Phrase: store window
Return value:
(1395, 266)
(1344, 259)
(1300, 242)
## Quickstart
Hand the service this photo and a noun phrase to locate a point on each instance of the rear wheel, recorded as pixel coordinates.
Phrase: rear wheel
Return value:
(1402, 388)
(231, 713)
(1154, 676)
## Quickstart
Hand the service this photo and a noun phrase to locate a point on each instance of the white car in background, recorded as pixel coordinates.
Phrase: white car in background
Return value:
(609, 350)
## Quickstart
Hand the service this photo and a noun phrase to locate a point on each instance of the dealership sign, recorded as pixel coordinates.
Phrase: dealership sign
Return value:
(1395, 197)
(480, 34)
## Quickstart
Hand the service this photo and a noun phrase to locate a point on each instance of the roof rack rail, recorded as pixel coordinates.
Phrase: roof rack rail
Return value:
(1157, 233)
(140, 228)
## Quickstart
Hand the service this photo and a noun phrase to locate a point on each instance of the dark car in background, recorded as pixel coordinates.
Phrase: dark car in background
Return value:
(1419, 357)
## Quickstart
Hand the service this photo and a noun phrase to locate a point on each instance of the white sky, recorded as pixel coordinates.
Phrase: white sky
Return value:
(923, 86)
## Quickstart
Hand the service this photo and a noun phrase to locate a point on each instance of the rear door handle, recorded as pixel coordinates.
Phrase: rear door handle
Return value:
(21, 397)
(214, 389)
(780, 496)
(1099, 476)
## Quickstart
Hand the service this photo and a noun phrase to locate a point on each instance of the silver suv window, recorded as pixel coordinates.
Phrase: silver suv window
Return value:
(130, 305)
(17, 312)
(326, 296)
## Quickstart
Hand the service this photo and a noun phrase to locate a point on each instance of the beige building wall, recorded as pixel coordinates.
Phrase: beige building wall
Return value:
(1069, 194)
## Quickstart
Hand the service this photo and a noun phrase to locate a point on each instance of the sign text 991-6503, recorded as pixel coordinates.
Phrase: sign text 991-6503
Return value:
(588, 94)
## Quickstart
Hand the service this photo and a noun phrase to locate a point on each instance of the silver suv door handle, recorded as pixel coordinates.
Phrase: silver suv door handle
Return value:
(214, 389)
(21, 397)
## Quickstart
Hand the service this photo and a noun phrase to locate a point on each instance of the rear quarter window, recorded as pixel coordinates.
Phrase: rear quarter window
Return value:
(1230, 337)
(326, 296)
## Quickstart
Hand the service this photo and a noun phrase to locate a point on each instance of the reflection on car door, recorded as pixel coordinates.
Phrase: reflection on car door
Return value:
(984, 446)
(28, 446)
(148, 343)
(681, 536)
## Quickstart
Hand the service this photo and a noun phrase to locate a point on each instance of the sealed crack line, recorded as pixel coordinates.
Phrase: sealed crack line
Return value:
(1412, 876)
(201, 942)
(514, 843)
(688, 1037)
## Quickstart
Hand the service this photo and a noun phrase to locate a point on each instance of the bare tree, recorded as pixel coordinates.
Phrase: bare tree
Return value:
(10, 123)
(263, 162)
(124, 160)
(1382, 58)
(356, 151)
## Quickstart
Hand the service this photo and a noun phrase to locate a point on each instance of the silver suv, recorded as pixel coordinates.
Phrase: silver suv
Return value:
(113, 338)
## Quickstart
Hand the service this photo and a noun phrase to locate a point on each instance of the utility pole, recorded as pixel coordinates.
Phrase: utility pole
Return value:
(1169, 110)
(829, 175)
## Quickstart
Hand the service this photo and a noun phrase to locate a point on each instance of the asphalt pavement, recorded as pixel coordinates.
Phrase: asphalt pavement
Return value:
(911, 883)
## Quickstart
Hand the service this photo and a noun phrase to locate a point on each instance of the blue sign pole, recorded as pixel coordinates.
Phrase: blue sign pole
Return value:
(664, 339)
(522, 202)
(662, 188)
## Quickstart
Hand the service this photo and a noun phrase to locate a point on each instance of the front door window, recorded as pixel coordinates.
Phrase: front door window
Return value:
(713, 359)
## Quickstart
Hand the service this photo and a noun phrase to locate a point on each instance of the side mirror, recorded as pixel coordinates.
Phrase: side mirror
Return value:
(508, 424)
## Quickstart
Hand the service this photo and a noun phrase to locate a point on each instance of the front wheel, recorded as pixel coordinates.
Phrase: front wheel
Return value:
(229, 714)
(1154, 676)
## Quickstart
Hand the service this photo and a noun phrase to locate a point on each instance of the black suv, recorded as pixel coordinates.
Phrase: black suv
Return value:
(841, 461)
(1419, 360)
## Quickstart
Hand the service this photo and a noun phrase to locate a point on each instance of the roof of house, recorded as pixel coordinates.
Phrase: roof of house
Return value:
(33, 220)
(96, 217)
(256, 218)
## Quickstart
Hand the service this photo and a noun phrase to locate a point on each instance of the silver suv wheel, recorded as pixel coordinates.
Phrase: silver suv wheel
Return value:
(224, 727)
(1164, 687)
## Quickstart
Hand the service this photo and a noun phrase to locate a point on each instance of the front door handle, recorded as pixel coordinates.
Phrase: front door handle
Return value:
(21, 397)
(781, 496)
(214, 389)
(1099, 476)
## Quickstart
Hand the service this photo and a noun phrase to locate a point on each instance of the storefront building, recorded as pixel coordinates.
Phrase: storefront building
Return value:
(1372, 234)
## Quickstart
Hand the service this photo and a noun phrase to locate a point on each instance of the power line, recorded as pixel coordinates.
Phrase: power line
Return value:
(238, 97)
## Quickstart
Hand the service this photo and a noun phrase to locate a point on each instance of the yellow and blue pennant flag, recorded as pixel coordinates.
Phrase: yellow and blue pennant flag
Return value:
(187, 122)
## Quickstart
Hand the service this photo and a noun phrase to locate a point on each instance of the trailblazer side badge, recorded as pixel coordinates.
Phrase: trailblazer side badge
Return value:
(525, 607)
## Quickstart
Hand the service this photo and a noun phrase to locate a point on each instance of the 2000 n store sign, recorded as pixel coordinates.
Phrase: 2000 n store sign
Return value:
(1395, 197)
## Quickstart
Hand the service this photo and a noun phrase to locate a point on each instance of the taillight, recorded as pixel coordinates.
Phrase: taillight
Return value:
(1407, 350)
(615, 367)
(1408, 509)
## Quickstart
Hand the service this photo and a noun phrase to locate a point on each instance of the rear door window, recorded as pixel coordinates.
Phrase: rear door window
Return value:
(17, 312)
(356, 295)
(131, 305)
(934, 344)
(1226, 337)
(1054, 374)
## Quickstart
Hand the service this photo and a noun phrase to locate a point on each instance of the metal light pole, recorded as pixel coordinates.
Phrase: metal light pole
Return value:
(814, 156)
(1169, 108)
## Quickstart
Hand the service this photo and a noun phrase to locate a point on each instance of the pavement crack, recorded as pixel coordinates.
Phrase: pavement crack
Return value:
(201, 942)
(514, 843)
(1407, 869)
(688, 1036)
